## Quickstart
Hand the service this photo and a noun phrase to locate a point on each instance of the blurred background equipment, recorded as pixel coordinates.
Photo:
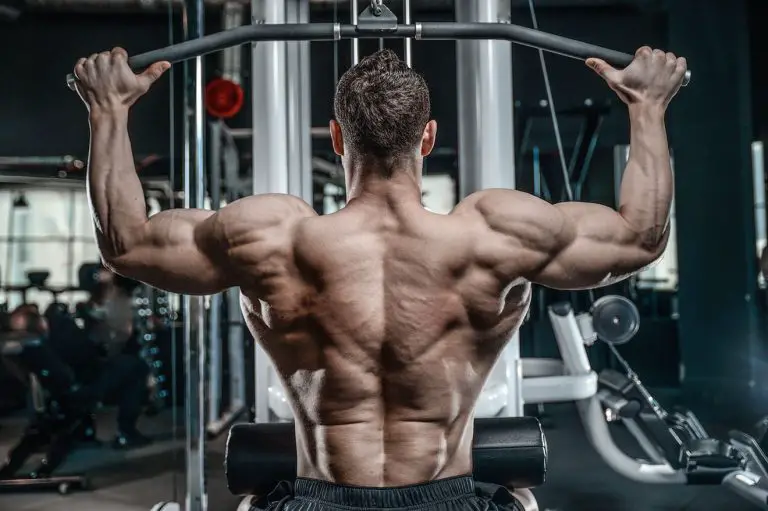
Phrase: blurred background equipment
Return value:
(10, 10)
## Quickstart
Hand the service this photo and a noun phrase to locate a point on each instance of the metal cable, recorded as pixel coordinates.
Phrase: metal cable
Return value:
(552, 111)
(555, 124)
(336, 78)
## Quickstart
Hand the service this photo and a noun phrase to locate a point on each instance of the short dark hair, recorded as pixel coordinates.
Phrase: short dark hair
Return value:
(382, 106)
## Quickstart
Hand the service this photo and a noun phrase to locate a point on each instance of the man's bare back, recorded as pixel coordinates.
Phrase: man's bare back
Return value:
(383, 328)
(383, 320)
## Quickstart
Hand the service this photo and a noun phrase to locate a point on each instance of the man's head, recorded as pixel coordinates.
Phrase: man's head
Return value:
(382, 111)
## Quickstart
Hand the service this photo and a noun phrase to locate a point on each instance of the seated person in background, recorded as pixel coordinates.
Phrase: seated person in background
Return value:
(122, 375)
(383, 320)
(26, 318)
(118, 376)
(58, 380)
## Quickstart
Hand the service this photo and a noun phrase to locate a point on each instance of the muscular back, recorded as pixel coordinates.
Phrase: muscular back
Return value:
(383, 319)
(383, 327)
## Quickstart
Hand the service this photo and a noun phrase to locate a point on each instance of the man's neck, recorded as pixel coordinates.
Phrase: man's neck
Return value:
(391, 182)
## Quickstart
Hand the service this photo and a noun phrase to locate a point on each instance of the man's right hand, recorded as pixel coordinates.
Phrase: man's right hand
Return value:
(105, 81)
(653, 78)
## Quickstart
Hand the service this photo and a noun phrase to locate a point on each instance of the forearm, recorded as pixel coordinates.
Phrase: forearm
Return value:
(114, 190)
(647, 186)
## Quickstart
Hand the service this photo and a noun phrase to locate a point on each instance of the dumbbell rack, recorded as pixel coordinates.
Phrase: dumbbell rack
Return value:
(150, 305)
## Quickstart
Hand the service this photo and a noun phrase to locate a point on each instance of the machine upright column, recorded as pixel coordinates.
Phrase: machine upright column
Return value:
(299, 106)
(270, 145)
(194, 309)
(486, 139)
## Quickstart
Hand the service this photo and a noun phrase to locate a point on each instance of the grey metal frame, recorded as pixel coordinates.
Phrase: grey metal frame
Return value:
(749, 483)
(758, 176)
(281, 138)
(270, 147)
(193, 306)
(408, 42)
(354, 10)
(486, 156)
(569, 379)
(572, 344)
(222, 415)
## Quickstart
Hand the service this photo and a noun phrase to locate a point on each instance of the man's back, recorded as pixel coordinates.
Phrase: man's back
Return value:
(383, 328)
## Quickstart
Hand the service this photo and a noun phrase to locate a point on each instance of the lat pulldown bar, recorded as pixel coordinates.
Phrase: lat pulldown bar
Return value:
(373, 25)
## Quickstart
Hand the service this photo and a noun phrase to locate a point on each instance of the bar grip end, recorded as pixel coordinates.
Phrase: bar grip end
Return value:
(71, 81)
(687, 78)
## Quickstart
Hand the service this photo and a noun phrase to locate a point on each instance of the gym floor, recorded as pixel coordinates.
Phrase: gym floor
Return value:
(578, 480)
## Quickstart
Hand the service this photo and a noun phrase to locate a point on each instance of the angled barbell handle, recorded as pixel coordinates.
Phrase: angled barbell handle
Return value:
(71, 79)
(332, 31)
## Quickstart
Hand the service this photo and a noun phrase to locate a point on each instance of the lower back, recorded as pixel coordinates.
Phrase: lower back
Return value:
(395, 454)
(393, 419)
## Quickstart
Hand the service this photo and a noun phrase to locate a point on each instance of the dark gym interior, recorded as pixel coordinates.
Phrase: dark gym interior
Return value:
(89, 423)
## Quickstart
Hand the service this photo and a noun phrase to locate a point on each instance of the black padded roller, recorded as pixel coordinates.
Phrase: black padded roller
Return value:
(507, 451)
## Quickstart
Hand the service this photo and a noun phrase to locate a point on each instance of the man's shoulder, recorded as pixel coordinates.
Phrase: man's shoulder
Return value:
(270, 218)
(276, 205)
(256, 213)
(492, 200)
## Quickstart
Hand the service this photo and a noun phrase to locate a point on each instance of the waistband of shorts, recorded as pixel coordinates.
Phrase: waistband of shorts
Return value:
(392, 497)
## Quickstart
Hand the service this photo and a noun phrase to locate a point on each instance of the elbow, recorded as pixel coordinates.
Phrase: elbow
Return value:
(112, 261)
(120, 262)
(111, 253)
(117, 249)
(652, 253)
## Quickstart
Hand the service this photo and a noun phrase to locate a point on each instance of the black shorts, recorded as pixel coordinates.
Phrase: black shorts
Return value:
(457, 493)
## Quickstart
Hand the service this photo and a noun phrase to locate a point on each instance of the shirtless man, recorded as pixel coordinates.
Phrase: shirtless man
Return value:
(383, 320)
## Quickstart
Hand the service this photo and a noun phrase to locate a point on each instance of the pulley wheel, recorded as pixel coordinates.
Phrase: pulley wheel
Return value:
(615, 319)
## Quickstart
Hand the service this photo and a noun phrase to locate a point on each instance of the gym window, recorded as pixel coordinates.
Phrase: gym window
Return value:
(44, 229)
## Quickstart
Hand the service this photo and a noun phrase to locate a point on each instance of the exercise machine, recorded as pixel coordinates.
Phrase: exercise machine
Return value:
(272, 89)
(678, 447)
(227, 334)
